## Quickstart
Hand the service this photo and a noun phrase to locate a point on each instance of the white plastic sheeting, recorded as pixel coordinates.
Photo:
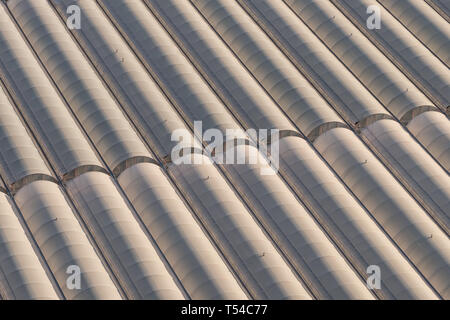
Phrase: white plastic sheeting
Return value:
(274, 71)
(119, 14)
(157, 201)
(425, 178)
(165, 59)
(200, 103)
(347, 95)
(348, 223)
(264, 273)
(444, 5)
(185, 246)
(89, 99)
(267, 188)
(149, 109)
(296, 233)
(63, 243)
(432, 129)
(390, 204)
(269, 245)
(193, 84)
(415, 58)
(193, 258)
(330, 289)
(19, 157)
(365, 61)
(229, 77)
(22, 276)
(129, 252)
(43, 109)
(424, 23)
(237, 181)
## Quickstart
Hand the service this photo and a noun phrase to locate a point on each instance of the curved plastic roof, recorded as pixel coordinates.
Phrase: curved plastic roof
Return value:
(88, 124)
(26, 277)
(234, 83)
(433, 131)
(130, 253)
(391, 205)
(365, 61)
(295, 231)
(169, 64)
(189, 251)
(424, 23)
(82, 89)
(269, 66)
(424, 69)
(307, 52)
(443, 6)
(424, 177)
(63, 241)
(237, 233)
(19, 157)
(347, 221)
(40, 104)
(145, 103)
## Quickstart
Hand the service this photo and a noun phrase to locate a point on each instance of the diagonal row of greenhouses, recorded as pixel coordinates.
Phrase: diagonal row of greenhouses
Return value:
(93, 204)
